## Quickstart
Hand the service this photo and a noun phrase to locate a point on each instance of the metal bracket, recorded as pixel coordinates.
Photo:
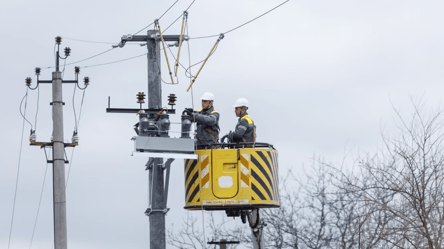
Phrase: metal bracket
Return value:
(150, 211)
(52, 161)
(55, 102)
(149, 164)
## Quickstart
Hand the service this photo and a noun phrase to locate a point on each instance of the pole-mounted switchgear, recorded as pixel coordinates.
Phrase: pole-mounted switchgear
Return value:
(154, 139)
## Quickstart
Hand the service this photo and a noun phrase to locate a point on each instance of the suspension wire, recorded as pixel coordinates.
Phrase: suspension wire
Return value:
(90, 57)
(85, 58)
(18, 167)
(74, 108)
(26, 103)
(256, 17)
(80, 112)
(194, 127)
(74, 39)
(203, 37)
(157, 18)
(37, 112)
(38, 207)
(69, 168)
(112, 62)
(179, 16)
(64, 66)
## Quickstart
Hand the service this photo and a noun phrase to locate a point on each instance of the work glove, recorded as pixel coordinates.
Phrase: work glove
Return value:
(230, 137)
(189, 111)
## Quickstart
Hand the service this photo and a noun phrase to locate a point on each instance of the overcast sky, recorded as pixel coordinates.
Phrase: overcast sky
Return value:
(322, 77)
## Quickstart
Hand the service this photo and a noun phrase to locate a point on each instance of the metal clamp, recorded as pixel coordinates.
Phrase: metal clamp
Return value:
(150, 211)
(56, 102)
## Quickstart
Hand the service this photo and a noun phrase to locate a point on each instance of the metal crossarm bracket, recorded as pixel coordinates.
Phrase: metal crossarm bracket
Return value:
(55, 102)
(150, 211)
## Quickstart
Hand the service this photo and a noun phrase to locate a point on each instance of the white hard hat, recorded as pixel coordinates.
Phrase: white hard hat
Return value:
(241, 102)
(207, 96)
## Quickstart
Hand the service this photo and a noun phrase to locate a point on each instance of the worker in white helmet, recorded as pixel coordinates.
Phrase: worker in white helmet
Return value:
(207, 120)
(245, 129)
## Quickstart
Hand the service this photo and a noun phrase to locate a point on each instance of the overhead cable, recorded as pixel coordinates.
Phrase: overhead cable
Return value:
(179, 16)
(157, 18)
(256, 17)
(26, 103)
(18, 167)
(38, 207)
(203, 37)
(73, 39)
(112, 62)
(37, 111)
(84, 59)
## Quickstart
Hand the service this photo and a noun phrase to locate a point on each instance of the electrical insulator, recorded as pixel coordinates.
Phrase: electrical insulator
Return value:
(67, 51)
(33, 137)
(186, 126)
(86, 80)
(58, 40)
(141, 98)
(28, 81)
(75, 138)
(164, 125)
(77, 70)
(144, 123)
(172, 99)
(37, 71)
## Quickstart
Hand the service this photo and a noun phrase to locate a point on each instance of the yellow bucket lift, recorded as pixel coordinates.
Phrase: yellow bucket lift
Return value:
(233, 178)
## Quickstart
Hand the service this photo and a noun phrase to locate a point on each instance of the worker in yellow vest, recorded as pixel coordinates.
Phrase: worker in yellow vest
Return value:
(245, 129)
(207, 120)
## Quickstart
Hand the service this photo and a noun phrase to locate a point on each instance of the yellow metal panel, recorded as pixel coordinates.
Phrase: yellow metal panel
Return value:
(225, 173)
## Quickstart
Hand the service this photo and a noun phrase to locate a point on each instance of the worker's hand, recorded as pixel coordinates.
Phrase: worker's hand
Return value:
(189, 111)
(230, 137)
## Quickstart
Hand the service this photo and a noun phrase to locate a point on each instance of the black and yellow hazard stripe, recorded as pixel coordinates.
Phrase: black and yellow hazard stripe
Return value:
(274, 162)
(191, 180)
(263, 174)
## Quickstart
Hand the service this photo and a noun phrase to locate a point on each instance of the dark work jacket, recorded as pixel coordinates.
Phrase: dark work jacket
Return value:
(207, 121)
(244, 129)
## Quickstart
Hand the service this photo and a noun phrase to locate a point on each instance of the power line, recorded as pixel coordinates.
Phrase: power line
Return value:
(203, 37)
(91, 56)
(69, 168)
(38, 208)
(26, 103)
(80, 40)
(179, 16)
(112, 62)
(256, 17)
(37, 112)
(18, 167)
(80, 113)
(74, 107)
(157, 18)
(84, 59)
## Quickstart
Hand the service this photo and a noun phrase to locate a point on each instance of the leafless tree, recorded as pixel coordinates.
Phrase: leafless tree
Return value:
(393, 198)
(404, 180)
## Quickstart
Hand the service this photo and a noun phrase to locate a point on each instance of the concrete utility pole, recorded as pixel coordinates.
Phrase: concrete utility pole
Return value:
(158, 186)
(157, 216)
(58, 146)
(60, 231)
